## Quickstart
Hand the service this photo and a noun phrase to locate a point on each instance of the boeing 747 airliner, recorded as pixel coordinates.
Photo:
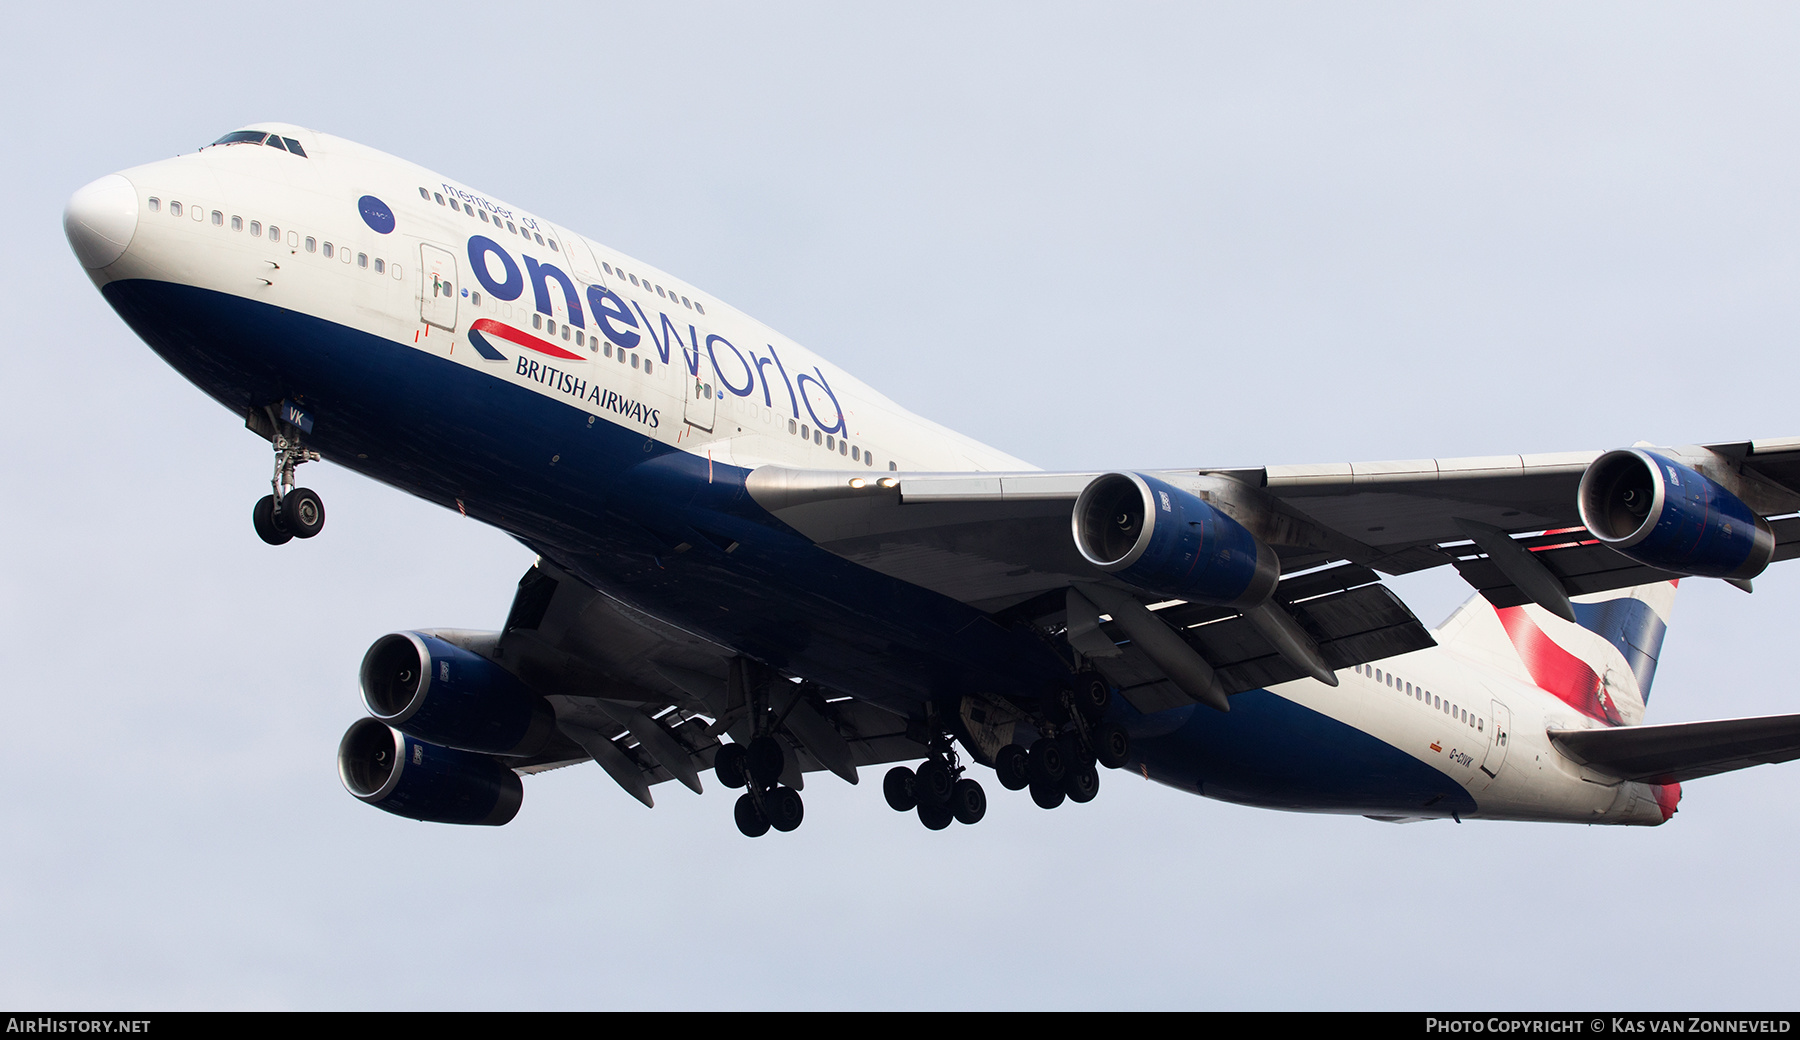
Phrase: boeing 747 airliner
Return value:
(750, 562)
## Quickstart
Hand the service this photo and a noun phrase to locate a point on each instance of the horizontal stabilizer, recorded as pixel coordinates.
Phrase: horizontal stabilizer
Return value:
(1681, 751)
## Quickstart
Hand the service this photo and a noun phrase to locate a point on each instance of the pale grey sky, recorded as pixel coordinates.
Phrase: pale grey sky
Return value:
(1099, 235)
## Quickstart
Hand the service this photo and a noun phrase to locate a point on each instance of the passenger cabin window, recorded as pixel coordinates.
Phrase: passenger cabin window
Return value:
(256, 229)
(155, 204)
(237, 223)
(174, 209)
(312, 244)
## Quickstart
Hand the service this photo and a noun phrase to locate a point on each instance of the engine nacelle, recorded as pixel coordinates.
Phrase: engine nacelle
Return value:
(438, 692)
(1665, 515)
(408, 777)
(1151, 534)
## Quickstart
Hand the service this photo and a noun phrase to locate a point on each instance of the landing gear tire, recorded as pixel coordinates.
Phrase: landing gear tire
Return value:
(1048, 795)
(731, 765)
(784, 808)
(766, 761)
(900, 790)
(1112, 745)
(267, 521)
(933, 782)
(1014, 767)
(935, 817)
(968, 802)
(1082, 784)
(1047, 763)
(302, 513)
(750, 818)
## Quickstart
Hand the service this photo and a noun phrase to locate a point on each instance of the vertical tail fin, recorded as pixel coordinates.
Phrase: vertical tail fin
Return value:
(1602, 665)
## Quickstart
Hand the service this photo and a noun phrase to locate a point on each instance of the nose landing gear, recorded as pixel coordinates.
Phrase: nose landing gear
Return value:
(289, 512)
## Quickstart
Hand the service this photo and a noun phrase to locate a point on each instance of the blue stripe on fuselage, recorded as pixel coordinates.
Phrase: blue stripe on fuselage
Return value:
(601, 499)
(615, 504)
(1272, 752)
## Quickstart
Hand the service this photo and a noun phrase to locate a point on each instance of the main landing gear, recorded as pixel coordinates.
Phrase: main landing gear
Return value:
(936, 790)
(757, 767)
(290, 512)
(1060, 765)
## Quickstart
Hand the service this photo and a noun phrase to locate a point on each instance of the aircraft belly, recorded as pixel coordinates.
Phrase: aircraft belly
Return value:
(1273, 752)
(671, 533)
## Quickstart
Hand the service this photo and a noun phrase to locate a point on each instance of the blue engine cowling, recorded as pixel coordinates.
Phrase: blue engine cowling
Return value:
(409, 777)
(1151, 534)
(439, 692)
(1663, 514)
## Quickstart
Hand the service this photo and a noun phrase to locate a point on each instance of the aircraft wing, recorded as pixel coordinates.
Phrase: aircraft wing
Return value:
(648, 701)
(1682, 751)
(1002, 541)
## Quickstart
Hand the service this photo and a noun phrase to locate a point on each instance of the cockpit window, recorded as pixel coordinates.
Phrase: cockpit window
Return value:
(286, 144)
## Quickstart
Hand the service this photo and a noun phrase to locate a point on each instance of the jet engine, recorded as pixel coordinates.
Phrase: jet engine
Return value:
(1663, 514)
(1151, 534)
(436, 691)
(408, 777)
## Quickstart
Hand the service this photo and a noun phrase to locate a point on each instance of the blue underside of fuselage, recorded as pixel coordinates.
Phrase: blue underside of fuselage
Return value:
(615, 507)
(1272, 752)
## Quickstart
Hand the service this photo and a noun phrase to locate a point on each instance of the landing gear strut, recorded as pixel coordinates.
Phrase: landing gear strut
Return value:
(757, 767)
(289, 512)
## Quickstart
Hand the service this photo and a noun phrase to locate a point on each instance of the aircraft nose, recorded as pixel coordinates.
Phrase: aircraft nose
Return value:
(100, 220)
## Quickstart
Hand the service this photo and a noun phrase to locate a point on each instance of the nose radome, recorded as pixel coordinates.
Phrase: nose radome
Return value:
(100, 220)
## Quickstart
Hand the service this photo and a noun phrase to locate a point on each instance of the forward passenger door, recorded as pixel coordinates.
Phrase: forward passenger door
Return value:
(438, 293)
